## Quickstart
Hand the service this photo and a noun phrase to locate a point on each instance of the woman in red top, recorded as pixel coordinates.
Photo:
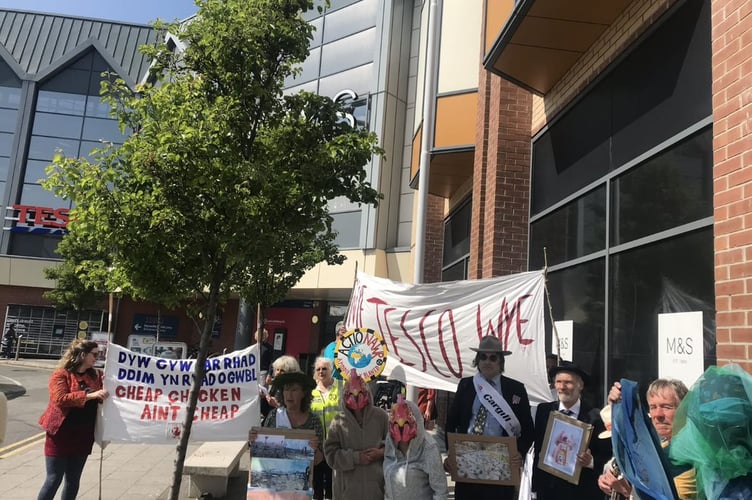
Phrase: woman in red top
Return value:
(75, 390)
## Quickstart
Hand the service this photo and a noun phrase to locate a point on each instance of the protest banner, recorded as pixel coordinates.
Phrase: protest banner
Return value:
(149, 397)
(430, 328)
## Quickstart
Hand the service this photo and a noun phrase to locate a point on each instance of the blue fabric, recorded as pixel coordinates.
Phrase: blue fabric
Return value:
(637, 448)
(329, 353)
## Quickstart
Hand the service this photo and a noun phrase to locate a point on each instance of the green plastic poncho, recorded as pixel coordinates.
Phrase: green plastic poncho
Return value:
(713, 433)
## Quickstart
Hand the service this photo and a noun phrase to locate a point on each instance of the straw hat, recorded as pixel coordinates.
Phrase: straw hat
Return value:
(490, 343)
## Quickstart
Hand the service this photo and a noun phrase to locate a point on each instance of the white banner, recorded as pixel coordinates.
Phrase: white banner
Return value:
(149, 397)
(430, 328)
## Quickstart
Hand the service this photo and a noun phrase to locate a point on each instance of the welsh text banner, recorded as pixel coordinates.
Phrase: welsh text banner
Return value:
(149, 397)
(430, 328)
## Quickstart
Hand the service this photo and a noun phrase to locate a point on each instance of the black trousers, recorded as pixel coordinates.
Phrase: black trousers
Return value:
(322, 481)
(472, 491)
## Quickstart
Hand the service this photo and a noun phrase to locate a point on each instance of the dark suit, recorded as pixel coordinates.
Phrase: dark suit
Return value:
(458, 420)
(550, 487)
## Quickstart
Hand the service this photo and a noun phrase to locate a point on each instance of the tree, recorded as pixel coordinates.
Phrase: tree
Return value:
(223, 186)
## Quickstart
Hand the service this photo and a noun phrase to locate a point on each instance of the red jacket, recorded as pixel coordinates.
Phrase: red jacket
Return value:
(64, 395)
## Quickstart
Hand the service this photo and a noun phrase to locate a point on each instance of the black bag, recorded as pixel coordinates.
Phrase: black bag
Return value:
(387, 392)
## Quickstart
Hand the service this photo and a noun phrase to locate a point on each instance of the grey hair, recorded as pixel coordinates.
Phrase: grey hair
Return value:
(324, 359)
(659, 385)
(286, 363)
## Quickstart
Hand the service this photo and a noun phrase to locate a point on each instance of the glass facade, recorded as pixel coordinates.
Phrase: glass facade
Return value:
(70, 117)
(456, 254)
(10, 101)
(622, 201)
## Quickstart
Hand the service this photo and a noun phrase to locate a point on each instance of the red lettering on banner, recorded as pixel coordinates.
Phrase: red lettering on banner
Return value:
(423, 338)
(456, 344)
(160, 413)
(505, 321)
(415, 344)
(137, 393)
(216, 412)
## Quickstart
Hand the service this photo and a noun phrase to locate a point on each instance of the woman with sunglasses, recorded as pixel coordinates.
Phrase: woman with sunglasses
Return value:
(490, 404)
(75, 391)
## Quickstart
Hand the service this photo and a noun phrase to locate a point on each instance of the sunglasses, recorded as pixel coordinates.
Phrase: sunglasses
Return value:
(491, 357)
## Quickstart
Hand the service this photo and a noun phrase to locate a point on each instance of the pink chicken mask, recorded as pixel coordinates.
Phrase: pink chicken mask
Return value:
(402, 425)
(356, 394)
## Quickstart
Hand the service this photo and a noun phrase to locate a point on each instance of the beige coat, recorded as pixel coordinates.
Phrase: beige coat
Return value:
(345, 440)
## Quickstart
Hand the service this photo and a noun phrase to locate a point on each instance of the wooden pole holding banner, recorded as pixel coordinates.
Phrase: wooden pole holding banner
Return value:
(555, 332)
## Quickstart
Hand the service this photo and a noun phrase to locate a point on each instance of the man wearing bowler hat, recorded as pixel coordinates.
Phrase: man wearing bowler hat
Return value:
(490, 404)
(569, 381)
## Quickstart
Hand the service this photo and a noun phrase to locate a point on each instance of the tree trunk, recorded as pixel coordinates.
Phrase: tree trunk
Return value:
(198, 377)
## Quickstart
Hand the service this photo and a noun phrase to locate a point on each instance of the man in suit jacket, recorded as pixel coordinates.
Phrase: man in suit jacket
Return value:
(466, 406)
(569, 381)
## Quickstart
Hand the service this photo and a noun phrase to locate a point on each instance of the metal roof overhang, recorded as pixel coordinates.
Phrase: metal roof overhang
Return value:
(542, 39)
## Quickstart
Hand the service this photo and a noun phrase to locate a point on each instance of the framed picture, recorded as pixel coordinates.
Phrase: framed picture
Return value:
(565, 438)
(281, 464)
(483, 459)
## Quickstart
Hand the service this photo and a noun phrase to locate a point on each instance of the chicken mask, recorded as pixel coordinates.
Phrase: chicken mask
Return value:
(356, 393)
(402, 425)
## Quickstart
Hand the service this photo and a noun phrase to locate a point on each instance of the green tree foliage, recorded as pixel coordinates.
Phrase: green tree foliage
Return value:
(223, 185)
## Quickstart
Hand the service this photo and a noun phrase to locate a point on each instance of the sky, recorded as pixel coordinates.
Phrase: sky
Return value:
(134, 11)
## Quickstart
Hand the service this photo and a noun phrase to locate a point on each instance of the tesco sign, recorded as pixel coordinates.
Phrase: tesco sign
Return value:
(37, 220)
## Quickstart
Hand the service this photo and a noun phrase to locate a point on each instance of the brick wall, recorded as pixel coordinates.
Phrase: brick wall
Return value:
(632, 23)
(501, 179)
(434, 244)
(732, 179)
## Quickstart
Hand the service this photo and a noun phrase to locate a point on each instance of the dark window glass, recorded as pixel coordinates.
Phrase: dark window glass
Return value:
(8, 120)
(457, 234)
(578, 295)
(54, 125)
(60, 102)
(660, 89)
(69, 81)
(671, 189)
(574, 152)
(455, 272)
(669, 276)
(35, 245)
(574, 230)
(7, 77)
(347, 225)
(664, 85)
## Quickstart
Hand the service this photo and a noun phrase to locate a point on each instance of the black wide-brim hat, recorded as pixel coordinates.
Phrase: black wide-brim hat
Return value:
(569, 367)
(489, 343)
(300, 378)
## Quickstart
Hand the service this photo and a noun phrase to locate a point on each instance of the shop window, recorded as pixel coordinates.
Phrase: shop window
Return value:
(575, 230)
(577, 294)
(671, 189)
(669, 276)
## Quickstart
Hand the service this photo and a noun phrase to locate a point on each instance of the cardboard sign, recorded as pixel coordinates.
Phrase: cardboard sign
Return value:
(566, 340)
(680, 346)
(362, 349)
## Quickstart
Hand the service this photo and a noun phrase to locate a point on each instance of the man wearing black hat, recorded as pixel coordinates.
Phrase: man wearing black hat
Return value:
(490, 404)
(569, 381)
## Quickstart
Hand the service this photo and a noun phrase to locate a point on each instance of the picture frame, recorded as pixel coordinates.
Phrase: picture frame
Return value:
(483, 459)
(565, 438)
(281, 464)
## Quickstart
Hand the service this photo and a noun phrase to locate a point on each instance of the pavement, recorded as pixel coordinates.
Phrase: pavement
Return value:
(124, 471)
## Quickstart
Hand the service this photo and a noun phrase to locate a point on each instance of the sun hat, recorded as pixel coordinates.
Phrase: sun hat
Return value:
(300, 378)
(489, 343)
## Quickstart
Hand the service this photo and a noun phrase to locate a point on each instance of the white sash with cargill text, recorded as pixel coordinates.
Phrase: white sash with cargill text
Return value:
(497, 406)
